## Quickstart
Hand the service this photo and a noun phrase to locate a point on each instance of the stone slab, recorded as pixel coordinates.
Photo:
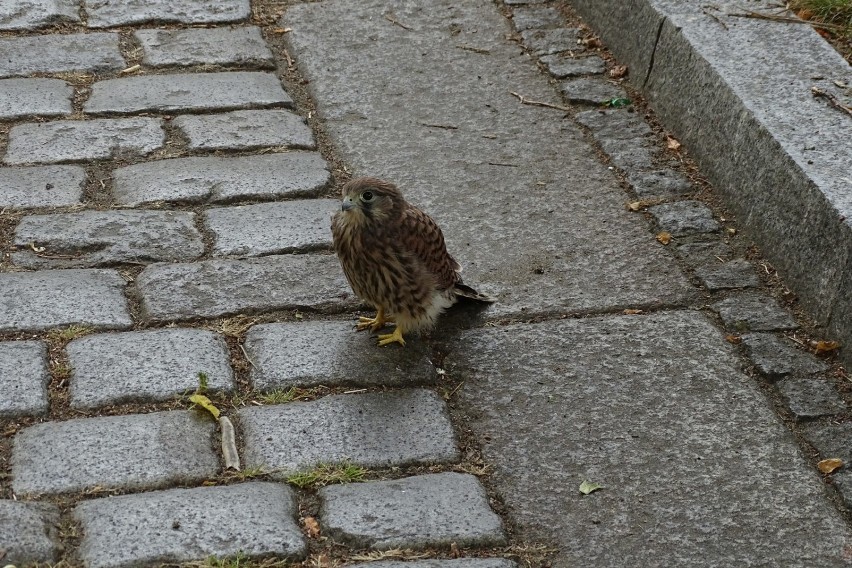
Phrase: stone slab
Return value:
(659, 183)
(683, 218)
(750, 311)
(561, 66)
(23, 379)
(526, 18)
(615, 124)
(591, 91)
(628, 155)
(146, 366)
(37, 301)
(311, 353)
(470, 178)
(272, 228)
(246, 130)
(810, 398)
(180, 525)
(41, 186)
(129, 12)
(20, 98)
(438, 563)
(238, 46)
(29, 532)
(666, 421)
(219, 179)
(549, 41)
(737, 273)
(830, 440)
(180, 92)
(776, 356)
(33, 14)
(215, 288)
(373, 430)
(699, 253)
(83, 140)
(98, 238)
(134, 451)
(425, 511)
(60, 53)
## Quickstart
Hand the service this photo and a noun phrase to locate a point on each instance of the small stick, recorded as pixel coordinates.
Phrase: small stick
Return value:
(474, 49)
(527, 101)
(502, 164)
(289, 59)
(446, 126)
(721, 23)
(832, 100)
(389, 17)
(243, 349)
(785, 19)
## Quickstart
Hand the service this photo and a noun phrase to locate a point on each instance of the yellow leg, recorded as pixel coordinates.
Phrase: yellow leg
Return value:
(395, 337)
(374, 324)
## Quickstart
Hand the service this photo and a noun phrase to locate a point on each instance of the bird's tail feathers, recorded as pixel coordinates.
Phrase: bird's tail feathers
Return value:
(465, 291)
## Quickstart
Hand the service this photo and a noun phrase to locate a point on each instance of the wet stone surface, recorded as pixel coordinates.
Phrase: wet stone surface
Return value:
(20, 98)
(549, 41)
(737, 273)
(41, 186)
(751, 311)
(127, 12)
(683, 218)
(810, 398)
(526, 18)
(60, 53)
(239, 46)
(246, 130)
(28, 532)
(34, 14)
(776, 356)
(591, 91)
(561, 66)
(23, 379)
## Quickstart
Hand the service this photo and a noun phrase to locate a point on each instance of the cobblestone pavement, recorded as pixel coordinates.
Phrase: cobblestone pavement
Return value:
(167, 173)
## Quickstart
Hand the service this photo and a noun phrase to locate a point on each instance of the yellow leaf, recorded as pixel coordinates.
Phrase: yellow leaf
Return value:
(830, 465)
(205, 403)
(735, 339)
(588, 487)
(672, 143)
(631, 312)
(665, 237)
(823, 347)
(634, 205)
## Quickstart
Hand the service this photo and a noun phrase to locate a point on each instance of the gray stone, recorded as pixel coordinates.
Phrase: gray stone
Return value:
(843, 482)
(437, 563)
(629, 155)
(32, 14)
(97, 238)
(36, 301)
(135, 451)
(666, 421)
(704, 252)
(614, 124)
(374, 430)
(776, 357)
(129, 12)
(546, 42)
(526, 18)
(425, 511)
(591, 91)
(520, 3)
(60, 53)
(311, 353)
(683, 218)
(30, 97)
(246, 130)
(23, 379)
(180, 92)
(242, 47)
(737, 273)
(561, 66)
(41, 186)
(83, 140)
(753, 312)
(218, 179)
(179, 525)
(28, 531)
(810, 398)
(272, 228)
(214, 288)
(830, 440)
(146, 366)
(659, 183)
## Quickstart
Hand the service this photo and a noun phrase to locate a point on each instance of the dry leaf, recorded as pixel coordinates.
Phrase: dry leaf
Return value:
(664, 237)
(312, 528)
(830, 465)
(205, 403)
(672, 144)
(635, 205)
(618, 71)
(823, 347)
(454, 550)
(735, 339)
(732, 231)
(631, 312)
(588, 487)
(591, 42)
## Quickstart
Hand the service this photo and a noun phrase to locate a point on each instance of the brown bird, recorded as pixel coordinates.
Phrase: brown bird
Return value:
(395, 259)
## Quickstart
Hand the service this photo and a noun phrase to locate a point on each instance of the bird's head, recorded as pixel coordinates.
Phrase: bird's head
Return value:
(369, 199)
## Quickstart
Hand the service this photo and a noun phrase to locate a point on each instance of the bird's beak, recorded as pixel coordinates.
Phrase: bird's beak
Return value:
(347, 204)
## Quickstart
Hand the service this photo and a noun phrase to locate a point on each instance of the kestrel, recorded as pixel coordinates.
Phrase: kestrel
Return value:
(394, 257)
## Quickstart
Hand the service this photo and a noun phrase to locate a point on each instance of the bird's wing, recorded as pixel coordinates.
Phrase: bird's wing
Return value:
(423, 239)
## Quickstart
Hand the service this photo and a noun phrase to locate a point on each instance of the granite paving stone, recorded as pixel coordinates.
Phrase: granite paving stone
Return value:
(37, 301)
(272, 228)
(28, 531)
(830, 440)
(414, 512)
(561, 66)
(683, 218)
(238, 46)
(698, 253)
(41, 186)
(97, 238)
(659, 183)
(146, 366)
(618, 124)
(547, 42)
(60, 53)
(374, 430)
(83, 140)
(215, 288)
(128, 12)
(627, 154)
(246, 130)
(439, 563)
(33, 14)
(526, 18)
(219, 179)
(134, 451)
(29, 97)
(843, 481)
(180, 525)
(591, 91)
(810, 398)
(737, 273)
(187, 92)
(776, 356)
(751, 311)
(311, 353)
(23, 379)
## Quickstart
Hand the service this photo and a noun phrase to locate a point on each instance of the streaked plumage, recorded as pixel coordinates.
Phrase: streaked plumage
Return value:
(395, 258)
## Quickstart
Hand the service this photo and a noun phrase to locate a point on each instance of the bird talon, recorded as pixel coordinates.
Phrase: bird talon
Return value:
(373, 324)
(395, 337)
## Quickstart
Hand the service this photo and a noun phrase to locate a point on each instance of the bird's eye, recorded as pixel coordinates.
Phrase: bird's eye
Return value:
(367, 196)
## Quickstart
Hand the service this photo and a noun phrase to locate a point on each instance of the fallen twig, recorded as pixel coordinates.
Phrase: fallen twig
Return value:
(527, 101)
(289, 59)
(785, 19)
(445, 126)
(389, 17)
(832, 100)
(474, 49)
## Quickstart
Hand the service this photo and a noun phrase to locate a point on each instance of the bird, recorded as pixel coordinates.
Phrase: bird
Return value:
(395, 259)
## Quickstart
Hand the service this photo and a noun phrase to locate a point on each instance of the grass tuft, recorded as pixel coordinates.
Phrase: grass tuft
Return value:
(327, 474)
(69, 333)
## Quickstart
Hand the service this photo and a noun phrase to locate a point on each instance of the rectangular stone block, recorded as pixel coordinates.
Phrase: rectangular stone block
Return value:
(33, 14)
(751, 311)
(83, 140)
(23, 378)
(238, 46)
(146, 366)
(135, 451)
(41, 186)
(98, 238)
(31, 97)
(683, 218)
(60, 53)
(313, 353)
(370, 429)
(776, 357)
(246, 130)
(414, 512)
(737, 273)
(128, 12)
(36, 301)
(272, 228)
(215, 288)
(219, 179)
(29, 532)
(181, 525)
(187, 92)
